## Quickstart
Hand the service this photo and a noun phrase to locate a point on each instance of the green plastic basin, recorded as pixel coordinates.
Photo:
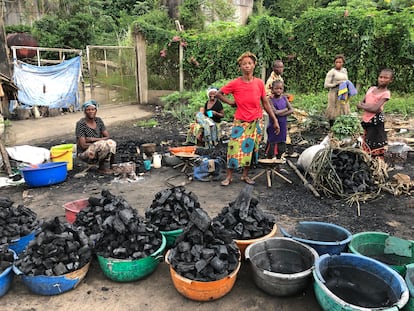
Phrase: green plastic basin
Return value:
(392, 251)
(127, 270)
(170, 236)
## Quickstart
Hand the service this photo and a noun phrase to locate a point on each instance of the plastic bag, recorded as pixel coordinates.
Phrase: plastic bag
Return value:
(207, 169)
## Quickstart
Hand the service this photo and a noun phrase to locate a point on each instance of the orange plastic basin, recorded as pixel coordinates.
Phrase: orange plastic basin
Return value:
(242, 244)
(183, 149)
(203, 291)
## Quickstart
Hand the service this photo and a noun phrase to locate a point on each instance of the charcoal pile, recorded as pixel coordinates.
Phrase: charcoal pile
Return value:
(204, 252)
(6, 258)
(57, 250)
(126, 151)
(171, 208)
(15, 222)
(116, 229)
(343, 172)
(243, 219)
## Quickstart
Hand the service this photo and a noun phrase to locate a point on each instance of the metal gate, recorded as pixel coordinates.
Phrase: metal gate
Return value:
(112, 74)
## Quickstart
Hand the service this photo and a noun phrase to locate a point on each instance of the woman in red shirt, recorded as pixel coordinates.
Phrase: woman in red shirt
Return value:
(249, 93)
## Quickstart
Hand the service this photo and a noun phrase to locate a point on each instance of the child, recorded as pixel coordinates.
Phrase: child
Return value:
(203, 130)
(276, 143)
(375, 138)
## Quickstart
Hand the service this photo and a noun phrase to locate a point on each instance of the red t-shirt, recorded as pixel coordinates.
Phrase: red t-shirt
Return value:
(248, 97)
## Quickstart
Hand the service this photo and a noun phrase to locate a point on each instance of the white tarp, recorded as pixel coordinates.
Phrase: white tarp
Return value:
(53, 86)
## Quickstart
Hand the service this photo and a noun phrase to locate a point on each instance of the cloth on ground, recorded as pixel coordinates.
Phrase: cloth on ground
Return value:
(29, 154)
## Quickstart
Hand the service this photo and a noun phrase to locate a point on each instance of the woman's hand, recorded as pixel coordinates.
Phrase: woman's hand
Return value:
(276, 127)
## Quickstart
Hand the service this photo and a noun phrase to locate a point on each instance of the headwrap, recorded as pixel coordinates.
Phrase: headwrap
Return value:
(247, 54)
(91, 102)
(211, 89)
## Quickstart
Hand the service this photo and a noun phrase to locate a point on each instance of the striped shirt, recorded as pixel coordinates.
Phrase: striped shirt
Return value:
(83, 130)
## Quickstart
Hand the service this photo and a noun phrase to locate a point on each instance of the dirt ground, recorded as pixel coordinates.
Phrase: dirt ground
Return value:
(289, 203)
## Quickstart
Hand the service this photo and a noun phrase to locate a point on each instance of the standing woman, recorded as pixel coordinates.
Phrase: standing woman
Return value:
(334, 78)
(249, 93)
(93, 142)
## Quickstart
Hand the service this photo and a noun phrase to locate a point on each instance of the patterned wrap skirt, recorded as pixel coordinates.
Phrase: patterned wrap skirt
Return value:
(99, 151)
(243, 147)
(375, 138)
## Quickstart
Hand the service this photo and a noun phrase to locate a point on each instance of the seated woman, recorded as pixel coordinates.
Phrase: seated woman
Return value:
(206, 129)
(93, 143)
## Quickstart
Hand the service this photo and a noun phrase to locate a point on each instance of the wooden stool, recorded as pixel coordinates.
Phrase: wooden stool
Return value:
(269, 169)
(188, 160)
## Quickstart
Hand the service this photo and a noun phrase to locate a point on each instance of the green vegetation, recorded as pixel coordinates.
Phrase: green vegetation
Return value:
(346, 126)
(147, 123)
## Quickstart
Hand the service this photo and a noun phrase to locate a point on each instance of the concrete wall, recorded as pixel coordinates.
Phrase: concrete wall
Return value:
(244, 8)
(20, 12)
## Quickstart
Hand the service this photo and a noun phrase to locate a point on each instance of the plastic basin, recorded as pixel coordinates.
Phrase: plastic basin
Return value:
(385, 248)
(53, 285)
(19, 245)
(183, 149)
(409, 280)
(202, 291)
(325, 238)
(354, 282)
(6, 278)
(127, 270)
(171, 236)
(73, 208)
(62, 153)
(45, 174)
(281, 266)
(242, 244)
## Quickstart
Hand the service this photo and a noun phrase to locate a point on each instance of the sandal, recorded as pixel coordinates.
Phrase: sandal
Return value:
(248, 180)
(226, 182)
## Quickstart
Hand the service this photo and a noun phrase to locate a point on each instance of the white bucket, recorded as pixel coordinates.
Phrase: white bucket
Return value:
(156, 160)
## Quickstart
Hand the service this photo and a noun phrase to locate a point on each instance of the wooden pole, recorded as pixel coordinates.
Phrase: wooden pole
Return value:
(305, 182)
(6, 160)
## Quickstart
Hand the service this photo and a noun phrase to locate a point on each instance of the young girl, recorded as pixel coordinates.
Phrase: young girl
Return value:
(276, 143)
(375, 138)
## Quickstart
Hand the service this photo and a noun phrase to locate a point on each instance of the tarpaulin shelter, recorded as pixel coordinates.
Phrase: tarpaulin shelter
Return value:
(53, 86)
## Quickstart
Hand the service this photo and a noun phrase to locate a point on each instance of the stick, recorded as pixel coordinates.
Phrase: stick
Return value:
(281, 176)
(305, 182)
(6, 160)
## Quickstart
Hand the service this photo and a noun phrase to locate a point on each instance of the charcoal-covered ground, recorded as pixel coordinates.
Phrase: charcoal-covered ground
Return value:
(289, 203)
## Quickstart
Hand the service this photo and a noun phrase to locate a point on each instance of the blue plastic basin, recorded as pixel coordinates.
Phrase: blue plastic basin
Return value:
(53, 285)
(45, 174)
(325, 238)
(6, 278)
(19, 245)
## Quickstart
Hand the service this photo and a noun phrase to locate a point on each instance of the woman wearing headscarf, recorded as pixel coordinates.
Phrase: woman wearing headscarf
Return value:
(249, 95)
(206, 129)
(93, 142)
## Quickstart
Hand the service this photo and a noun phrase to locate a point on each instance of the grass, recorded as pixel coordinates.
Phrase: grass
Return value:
(147, 123)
